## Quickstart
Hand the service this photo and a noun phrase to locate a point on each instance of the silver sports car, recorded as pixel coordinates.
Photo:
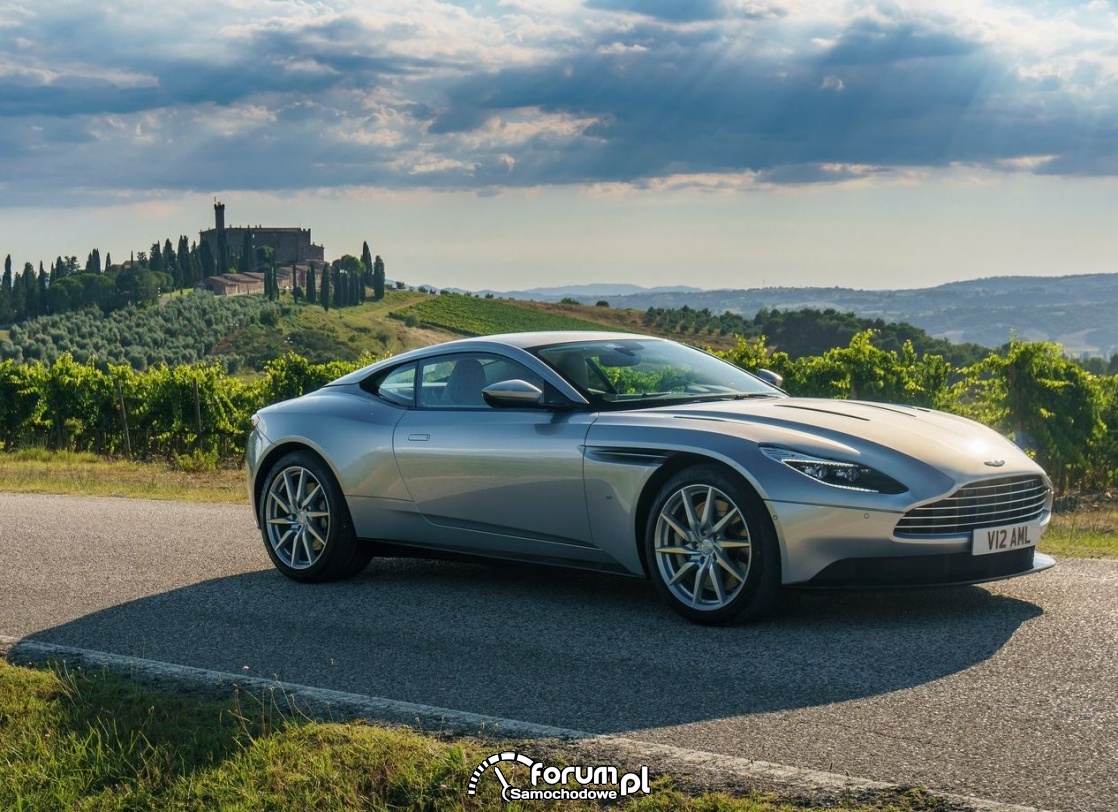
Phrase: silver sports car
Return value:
(640, 456)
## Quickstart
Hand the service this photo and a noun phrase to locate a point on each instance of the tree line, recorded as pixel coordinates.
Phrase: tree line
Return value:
(806, 332)
(140, 280)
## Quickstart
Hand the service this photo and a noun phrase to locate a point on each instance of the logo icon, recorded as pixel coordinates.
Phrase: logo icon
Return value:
(995, 463)
(497, 758)
(604, 783)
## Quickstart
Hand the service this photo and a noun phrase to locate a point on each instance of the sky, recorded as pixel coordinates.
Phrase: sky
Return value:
(505, 144)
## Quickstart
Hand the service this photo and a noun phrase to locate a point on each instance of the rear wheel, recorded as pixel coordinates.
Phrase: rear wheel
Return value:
(711, 551)
(306, 524)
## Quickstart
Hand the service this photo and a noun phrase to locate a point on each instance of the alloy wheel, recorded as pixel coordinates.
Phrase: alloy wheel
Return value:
(702, 546)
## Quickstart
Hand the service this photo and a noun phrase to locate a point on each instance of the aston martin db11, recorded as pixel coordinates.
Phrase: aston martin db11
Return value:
(640, 456)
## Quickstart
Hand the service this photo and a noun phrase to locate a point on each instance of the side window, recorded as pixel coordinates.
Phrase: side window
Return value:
(456, 381)
(398, 386)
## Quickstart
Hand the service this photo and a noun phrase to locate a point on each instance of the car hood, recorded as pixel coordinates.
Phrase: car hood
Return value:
(955, 445)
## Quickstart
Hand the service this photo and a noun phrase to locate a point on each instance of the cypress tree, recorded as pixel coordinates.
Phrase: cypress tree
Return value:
(42, 285)
(367, 261)
(340, 285)
(324, 290)
(312, 286)
(30, 291)
(195, 264)
(171, 265)
(378, 278)
(6, 314)
(182, 258)
(19, 298)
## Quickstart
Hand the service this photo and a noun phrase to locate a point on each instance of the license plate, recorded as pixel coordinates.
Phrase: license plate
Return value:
(1002, 539)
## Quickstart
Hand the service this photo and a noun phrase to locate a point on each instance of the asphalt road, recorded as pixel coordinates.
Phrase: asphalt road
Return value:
(1008, 691)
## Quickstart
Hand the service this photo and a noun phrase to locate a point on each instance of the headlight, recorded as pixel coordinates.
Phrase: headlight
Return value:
(836, 473)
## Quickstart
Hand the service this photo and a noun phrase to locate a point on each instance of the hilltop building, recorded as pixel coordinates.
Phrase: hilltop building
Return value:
(239, 284)
(291, 245)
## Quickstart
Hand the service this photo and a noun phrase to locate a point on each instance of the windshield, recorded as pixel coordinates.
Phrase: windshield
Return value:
(634, 373)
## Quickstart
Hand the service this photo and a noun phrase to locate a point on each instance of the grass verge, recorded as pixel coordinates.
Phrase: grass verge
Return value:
(96, 741)
(83, 474)
(1089, 530)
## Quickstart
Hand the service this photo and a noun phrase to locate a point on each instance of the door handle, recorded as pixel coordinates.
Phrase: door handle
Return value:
(418, 438)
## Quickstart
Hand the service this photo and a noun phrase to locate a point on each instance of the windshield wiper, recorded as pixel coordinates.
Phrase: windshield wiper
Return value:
(734, 396)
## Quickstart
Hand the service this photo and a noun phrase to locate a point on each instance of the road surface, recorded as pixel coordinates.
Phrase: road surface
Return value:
(1008, 691)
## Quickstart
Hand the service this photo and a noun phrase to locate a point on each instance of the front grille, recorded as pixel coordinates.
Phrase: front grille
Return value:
(990, 503)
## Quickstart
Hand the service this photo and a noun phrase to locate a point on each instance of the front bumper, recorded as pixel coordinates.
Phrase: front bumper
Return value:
(843, 548)
(950, 569)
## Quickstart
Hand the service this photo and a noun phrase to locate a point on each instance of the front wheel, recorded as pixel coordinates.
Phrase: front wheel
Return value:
(306, 524)
(711, 551)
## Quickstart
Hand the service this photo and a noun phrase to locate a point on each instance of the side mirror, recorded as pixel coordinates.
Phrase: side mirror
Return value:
(770, 377)
(512, 393)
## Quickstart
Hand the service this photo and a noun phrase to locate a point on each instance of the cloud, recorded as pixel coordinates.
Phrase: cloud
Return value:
(261, 94)
(672, 10)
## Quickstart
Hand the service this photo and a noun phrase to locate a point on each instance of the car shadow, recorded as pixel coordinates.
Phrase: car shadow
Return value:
(568, 649)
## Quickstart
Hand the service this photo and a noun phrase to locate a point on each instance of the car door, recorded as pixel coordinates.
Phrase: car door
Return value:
(494, 479)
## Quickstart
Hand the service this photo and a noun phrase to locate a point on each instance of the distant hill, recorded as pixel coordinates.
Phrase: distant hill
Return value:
(594, 291)
(1079, 312)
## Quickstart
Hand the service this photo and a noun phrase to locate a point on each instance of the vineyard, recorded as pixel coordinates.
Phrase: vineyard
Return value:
(1063, 414)
(194, 410)
(467, 315)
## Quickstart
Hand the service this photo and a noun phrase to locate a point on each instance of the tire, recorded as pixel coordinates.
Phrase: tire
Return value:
(711, 551)
(305, 522)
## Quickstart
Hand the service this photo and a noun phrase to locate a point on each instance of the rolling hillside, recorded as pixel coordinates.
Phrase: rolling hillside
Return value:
(1080, 312)
(246, 332)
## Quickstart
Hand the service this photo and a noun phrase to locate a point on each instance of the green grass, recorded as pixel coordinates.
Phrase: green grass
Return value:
(77, 740)
(332, 335)
(470, 316)
(1089, 530)
(84, 474)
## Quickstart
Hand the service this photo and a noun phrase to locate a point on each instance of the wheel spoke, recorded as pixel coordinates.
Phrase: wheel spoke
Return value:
(675, 550)
(300, 487)
(728, 544)
(310, 528)
(307, 546)
(697, 589)
(276, 497)
(723, 521)
(683, 534)
(287, 487)
(310, 496)
(708, 507)
(687, 566)
(716, 582)
(317, 514)
(728, 565)
(280, 520)
(689, 511)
